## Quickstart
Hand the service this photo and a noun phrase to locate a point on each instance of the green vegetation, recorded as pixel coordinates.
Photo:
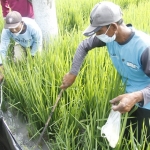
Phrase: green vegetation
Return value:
(32, 86)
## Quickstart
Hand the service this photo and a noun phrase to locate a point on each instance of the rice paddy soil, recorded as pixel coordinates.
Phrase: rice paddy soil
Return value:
(18, 127)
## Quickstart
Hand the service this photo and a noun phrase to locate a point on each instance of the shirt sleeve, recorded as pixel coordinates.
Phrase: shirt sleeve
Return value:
(5, 7)
(5, 40)
(146, 94)
(37, 41)
(82, 50)
(145, 61)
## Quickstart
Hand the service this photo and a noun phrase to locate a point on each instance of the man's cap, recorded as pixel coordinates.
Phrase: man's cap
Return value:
(103, 13)
(12, 20)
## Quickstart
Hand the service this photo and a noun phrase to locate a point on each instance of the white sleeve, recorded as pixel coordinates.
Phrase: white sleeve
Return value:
(5, 40)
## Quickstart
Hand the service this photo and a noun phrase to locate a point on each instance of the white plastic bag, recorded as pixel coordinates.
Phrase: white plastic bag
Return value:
(111, 129)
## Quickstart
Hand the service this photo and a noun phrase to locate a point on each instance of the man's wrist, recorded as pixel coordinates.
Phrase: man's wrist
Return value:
(72, 73)
(139, 96)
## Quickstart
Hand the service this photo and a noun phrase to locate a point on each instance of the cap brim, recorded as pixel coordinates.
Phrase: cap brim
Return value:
(11, 26)
(89, 31)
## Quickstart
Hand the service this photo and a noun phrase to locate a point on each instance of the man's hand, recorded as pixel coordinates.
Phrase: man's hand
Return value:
(124, 103)
(68, 80)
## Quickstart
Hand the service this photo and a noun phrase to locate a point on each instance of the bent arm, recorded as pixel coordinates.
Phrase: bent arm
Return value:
(5, 40)
(79, 56)
(37, 42)
(128, 100)
(5, 7)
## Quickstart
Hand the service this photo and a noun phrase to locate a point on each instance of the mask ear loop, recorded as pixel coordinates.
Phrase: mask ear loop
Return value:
(107, 29)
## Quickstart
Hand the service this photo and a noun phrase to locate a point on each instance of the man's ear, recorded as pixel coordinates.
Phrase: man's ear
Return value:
(114, 26)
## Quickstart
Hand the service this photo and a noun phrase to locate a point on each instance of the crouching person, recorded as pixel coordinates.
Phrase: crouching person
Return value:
(23, 31)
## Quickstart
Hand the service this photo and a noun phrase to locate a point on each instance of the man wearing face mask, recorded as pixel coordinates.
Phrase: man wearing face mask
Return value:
(22, 30)
(129, 51)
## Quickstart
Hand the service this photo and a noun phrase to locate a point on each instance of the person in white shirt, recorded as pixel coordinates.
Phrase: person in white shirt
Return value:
(22, 30)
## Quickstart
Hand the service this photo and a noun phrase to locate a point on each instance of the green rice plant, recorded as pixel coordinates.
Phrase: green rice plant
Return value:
(75, 15)
(86, 105)
(32, 86)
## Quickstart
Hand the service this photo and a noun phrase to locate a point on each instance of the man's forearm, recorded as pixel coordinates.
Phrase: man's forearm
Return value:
(5, 7)
(82, 50)
(77, 61)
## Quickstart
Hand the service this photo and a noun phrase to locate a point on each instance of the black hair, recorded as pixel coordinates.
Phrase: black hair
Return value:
(120, 21)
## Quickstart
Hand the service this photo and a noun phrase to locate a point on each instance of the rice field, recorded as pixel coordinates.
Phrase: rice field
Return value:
(32, 86)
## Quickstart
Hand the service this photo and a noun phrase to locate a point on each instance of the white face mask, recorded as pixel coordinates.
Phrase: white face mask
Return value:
(16, 34)
(105, 38)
